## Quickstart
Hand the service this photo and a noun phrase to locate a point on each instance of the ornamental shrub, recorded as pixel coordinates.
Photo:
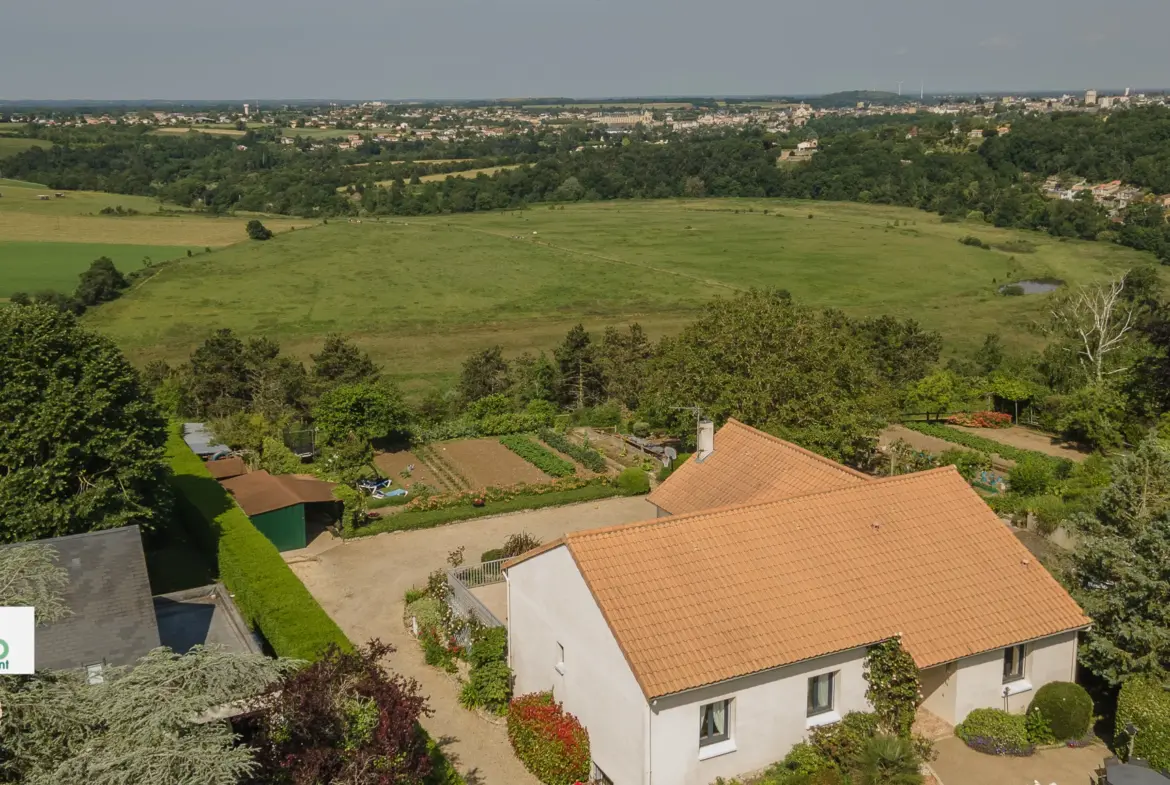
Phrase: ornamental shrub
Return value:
(995, 732)
(1030, 477)
(1039, 731)
(802, 760)
(489, 686)
(843, 741)
(633, 482)
(1145, 704)
(550, 743)
(426, 611)
(488, 645)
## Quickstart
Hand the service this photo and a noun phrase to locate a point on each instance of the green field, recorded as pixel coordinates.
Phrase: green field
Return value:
(11, 145)
(420, 294)
(32, 267)
(45, 243)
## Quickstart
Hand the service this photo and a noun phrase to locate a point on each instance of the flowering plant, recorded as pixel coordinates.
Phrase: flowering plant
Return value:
(981, 419)
(551, 743)
(492, 493)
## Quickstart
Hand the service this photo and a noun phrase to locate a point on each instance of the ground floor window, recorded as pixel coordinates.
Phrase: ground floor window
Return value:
(714, 719)
(1013, 663)
(820, 694)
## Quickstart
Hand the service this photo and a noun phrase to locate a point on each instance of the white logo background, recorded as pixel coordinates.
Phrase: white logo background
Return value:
(17, 629)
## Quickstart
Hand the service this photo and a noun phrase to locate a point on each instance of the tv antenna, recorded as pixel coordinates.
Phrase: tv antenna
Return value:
(695, 410)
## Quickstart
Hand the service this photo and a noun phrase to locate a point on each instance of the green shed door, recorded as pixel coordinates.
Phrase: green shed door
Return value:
(284, 527)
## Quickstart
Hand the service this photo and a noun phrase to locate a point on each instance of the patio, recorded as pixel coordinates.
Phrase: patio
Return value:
(957, 764)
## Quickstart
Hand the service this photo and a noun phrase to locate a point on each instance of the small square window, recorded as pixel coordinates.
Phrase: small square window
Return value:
(93, 674)
(714, 722)
(560, 666)
(820, 693)
(1014, 659)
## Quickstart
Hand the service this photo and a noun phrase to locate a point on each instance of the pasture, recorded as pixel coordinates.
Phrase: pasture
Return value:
(11, 145)
(422, 293)
(46, 242)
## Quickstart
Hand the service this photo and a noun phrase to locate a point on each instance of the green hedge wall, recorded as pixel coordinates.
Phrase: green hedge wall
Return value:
(268, 594)
(1145, 704)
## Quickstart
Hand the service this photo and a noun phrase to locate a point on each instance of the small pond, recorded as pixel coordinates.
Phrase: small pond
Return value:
(1037, 286)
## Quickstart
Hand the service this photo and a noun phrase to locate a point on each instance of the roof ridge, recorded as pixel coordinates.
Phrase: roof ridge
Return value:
(874, 482)
(784, 443)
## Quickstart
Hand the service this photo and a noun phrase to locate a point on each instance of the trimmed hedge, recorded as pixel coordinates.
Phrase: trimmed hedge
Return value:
(1145, 704)
(268, 594)
(588, 457)
(996, 732)
(633, 482)
(980, 443)
(426, 519)
(1066, 707)
(550, 742)
(539, 457)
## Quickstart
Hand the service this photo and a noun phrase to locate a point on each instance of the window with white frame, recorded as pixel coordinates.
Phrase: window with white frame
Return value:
(1014, 660)
(714, 722)
(820, 693)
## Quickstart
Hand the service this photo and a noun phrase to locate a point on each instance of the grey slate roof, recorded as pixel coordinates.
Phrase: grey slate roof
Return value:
(207, 616)
(200, 440)
(112, 618)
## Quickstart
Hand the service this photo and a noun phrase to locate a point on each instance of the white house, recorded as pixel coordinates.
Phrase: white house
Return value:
(705, 644)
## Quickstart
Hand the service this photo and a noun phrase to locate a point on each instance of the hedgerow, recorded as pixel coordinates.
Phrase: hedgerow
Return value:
(587, 456)
(980, 443)
(268, 594)
(1145, 704)
(550, 742)
(538, 456)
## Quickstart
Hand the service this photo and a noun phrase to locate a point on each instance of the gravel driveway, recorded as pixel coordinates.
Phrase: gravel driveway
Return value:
(360, 584)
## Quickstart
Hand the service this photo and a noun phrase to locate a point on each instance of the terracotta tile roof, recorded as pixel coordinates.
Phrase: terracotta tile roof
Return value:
(749, 466)
(697, 599)
(225, 468)
(261, 492)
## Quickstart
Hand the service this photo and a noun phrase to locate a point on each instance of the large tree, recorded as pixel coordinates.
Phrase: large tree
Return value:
(901, 350)
(625, 356)
(81, 440)
(802, 374)
(1119, 570)
(101, 282)
(579, 373)
(484, 373)
(344, 719)
(341, 362)
(217, 377)
(368, 410)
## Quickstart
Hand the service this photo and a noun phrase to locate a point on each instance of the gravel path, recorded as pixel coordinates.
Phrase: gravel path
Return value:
(360, 583)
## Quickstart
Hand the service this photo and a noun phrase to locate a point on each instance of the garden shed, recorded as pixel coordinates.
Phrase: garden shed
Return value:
(277, 504)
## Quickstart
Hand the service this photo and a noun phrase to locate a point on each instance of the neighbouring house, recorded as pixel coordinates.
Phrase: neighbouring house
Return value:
(277, 504)
(201, 441)
(706, 643)
(111, 620)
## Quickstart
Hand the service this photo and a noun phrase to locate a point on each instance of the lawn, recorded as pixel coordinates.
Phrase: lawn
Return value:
(34, 267)
(420, 294)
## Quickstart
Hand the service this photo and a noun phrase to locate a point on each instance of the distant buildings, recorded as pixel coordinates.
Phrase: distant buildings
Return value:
(1090, 98)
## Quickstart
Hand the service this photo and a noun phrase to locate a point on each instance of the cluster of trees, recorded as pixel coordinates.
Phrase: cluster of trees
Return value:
(99, 284)
(876, 161)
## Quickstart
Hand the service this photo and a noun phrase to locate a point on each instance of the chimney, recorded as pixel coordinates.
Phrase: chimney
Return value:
(705, 444)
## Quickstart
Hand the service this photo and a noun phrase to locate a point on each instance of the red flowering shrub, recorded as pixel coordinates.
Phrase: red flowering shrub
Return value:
(549, 741)
(981, 419)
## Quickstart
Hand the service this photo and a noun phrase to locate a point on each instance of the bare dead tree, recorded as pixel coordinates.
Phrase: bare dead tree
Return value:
(1097, 319)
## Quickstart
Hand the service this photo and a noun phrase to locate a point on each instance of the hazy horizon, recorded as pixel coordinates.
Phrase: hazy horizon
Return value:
(69, 50)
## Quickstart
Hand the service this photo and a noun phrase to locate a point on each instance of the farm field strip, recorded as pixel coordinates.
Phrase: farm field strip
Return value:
(38, 266)
(194, 231)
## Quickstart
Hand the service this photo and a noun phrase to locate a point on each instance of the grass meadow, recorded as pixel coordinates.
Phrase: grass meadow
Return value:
(46, 243)
(11, 145)
(420, 294)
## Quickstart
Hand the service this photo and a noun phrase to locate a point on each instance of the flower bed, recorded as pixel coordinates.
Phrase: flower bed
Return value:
(981, 443)
(493, 494)
(550, 742)
(981, 419)
(539, 457)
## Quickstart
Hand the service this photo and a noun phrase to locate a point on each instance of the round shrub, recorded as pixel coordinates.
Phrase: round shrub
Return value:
(1030, 476)
(803, 759)
(995, 732)
(843, 741)
(549, 741)
(633, 482)
(1067, 707)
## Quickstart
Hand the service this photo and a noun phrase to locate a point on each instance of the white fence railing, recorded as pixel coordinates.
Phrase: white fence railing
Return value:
(462, 580)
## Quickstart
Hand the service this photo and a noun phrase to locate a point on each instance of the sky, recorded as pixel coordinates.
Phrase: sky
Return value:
(401, 49)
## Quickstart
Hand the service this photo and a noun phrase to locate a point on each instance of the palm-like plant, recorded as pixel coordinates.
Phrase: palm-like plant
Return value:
(887, 760)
